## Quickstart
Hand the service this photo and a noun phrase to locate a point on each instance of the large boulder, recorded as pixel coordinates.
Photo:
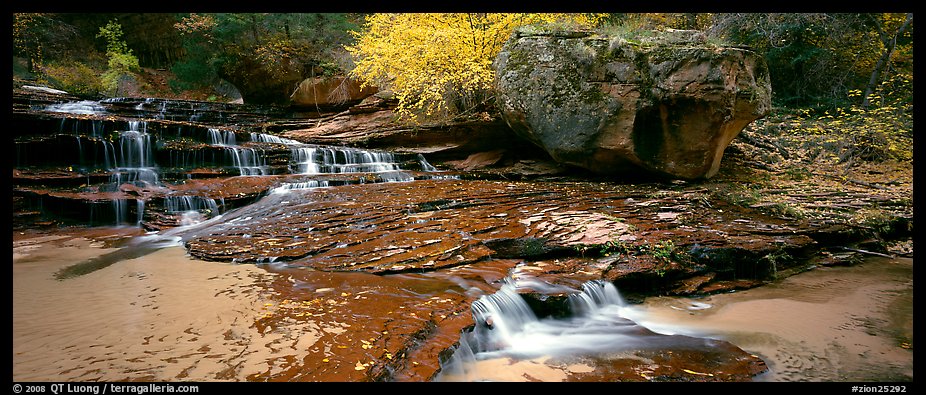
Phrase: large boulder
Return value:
(668, 103)
(328, 92)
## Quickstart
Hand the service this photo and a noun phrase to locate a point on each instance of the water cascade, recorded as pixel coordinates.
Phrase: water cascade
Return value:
(130, 153)
(85, 107)
(249, 161)
(134, 157)
(506, 327)
(192, 209)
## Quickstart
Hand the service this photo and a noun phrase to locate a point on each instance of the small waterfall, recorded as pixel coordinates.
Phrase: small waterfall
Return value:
(86, 107)
(331, 160)
(249, 161)
(134, 157)
(269, 138)
(290, 186)
(139, 211)
(304, 160)
(192, 209)
(121, 209)
(425, 166)
(221, 137)
(500, 319)
(595, 295)
(178, 204)
(506, 327)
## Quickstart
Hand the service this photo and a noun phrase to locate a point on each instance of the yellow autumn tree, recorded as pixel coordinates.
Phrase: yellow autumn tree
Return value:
(440, 65)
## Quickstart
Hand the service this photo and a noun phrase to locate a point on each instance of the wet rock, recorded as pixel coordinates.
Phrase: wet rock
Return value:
(670, 106)
(564, 232)
(372, 125)
(351, 254)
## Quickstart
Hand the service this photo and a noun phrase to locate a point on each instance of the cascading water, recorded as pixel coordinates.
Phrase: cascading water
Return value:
(127, 152)
(595, 295)
(192, 209)
(249, 161)
(221, 137)
(331, 160)
(135, 159)
(79, 107)
(506, 327)
(291, 186)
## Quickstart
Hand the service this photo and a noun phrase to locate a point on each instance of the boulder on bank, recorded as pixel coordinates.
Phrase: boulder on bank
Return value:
(668, 104)
(326, 92)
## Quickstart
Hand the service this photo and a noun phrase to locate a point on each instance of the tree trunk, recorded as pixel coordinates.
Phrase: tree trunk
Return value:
(885, 58)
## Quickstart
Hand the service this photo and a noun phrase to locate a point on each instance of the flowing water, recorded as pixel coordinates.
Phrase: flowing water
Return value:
(828, 325)
(151, 322)
(165, 316)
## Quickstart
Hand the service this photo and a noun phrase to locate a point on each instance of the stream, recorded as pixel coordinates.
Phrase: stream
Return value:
(830, 324)
(200, 253)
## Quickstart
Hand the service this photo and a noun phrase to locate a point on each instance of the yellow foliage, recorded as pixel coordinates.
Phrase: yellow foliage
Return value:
(439, 64)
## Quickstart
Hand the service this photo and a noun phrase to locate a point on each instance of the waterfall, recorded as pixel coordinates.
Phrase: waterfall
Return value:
(506, 327)
(86, 107)
(135, 159)
(127, 152)
(121, 209)
(192, 209)
(290, 186)
(249, 161)
(178, 204)
(500, 319)
(139, 211)
(269, 138)
(425, 166)
(595, 295)
(221, 137)
(336, 160)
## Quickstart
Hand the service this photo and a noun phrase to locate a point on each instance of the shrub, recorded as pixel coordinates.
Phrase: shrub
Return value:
(78, 79)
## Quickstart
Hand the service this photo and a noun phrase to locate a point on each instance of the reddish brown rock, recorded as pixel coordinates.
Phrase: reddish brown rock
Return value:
(327, 92)
(668, 105)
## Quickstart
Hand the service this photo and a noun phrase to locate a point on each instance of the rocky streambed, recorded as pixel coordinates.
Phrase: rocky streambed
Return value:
(385, 243)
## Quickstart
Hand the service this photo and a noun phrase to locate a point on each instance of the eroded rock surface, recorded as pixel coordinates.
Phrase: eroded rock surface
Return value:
(668, 106)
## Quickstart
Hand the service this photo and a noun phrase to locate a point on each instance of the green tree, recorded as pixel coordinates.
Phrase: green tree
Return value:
(37, 36)
(815, 59)
(280, 46)
(121, 62)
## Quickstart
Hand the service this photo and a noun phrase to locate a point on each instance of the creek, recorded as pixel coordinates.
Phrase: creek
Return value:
(371, 265)
(165, 316)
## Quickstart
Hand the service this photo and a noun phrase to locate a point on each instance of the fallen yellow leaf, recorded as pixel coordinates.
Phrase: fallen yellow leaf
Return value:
(359, 366)
(698, 373)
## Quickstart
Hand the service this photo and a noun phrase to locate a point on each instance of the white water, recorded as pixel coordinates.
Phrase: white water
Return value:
(249, 161)
(508, 329)
(337, 160)
(130, 158)
(78, 107)
(221, 137)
